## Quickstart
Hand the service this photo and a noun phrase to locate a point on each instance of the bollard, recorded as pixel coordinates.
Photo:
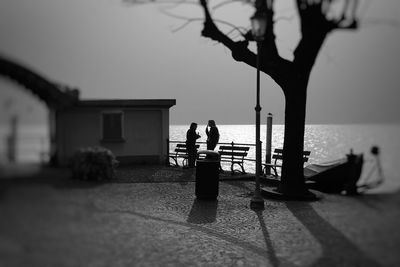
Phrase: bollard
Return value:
(12, 140)
(268, 147)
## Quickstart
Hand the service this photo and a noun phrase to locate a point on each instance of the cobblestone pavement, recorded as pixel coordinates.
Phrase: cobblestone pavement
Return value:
(61, 222)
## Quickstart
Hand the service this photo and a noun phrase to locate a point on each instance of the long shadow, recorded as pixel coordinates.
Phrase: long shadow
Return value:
(205, 230)
(270, 248)
(239, 184)
(57, 178)
(249, 190)
(153, 174)
(203, 211)
(379, 202)
(337, 249)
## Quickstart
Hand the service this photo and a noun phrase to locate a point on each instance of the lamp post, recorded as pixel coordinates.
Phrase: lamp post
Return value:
(258, 28)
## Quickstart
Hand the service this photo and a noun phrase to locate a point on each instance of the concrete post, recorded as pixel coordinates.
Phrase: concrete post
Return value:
(53, 157)
(268, 143)
(12, 140)
(167, 156)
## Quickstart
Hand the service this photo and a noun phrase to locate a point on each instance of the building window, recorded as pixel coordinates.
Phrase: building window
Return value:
(113, 126)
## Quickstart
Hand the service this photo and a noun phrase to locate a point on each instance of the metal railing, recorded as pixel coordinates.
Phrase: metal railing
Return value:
(171, 147)
(25, 148)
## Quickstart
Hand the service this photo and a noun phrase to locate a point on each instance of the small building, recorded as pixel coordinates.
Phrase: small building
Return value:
(136, 131)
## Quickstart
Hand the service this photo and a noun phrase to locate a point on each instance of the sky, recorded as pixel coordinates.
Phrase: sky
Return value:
(112, 50)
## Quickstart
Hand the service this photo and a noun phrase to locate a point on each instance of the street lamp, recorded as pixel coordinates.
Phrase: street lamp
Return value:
(258, 28)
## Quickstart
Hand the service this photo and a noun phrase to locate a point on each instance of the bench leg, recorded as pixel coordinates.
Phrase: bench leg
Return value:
(175, 163)
(241, 166)
(271, 167)
(275, 171)
(184, 162)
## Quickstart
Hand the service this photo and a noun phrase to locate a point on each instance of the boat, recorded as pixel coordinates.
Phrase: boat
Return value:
(338, 176)
(341, 176)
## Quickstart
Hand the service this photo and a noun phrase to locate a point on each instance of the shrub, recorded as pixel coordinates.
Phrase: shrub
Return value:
(93, 163)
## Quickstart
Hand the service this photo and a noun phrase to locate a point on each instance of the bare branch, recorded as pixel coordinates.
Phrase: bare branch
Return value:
(328, 15)
(318, 18)
(240, 30)
(271, 63)
(240, 51)
(174, 2)
(228, 2)
(347, 17)
(175, 16)
(186, 23)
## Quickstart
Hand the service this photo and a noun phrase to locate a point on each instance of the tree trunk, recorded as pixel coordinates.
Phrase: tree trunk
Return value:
(292, 180)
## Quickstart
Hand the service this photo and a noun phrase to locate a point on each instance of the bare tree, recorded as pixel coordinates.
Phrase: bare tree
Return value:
(318, 18)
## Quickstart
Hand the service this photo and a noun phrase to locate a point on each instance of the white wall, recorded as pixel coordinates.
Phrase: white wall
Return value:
(145, 132)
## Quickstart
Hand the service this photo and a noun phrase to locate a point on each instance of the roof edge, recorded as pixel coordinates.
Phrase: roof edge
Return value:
(126, 103)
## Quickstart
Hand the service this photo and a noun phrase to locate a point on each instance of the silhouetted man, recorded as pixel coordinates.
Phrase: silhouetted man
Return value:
(191, 137)
(212, 135)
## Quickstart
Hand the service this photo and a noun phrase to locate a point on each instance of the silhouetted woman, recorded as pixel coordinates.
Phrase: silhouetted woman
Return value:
(191, 137)
(212, 135)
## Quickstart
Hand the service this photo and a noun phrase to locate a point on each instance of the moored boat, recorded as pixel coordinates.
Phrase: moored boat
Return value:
(339, 176)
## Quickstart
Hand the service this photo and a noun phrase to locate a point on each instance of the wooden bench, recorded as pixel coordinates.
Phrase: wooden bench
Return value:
(180, 151)
(278, 155)
(234, 155)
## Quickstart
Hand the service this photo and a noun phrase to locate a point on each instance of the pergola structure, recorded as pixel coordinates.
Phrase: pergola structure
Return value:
(54, 95)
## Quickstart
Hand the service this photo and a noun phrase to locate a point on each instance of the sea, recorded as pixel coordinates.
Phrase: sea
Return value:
(326, 143)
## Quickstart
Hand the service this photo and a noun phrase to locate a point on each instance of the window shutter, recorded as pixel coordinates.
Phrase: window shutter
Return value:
(112, 126)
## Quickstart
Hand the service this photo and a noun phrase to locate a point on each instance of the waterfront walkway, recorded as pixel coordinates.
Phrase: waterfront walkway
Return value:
(149, 217)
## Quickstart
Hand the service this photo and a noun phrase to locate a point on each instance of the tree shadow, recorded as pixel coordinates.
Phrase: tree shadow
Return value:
(247, 190)
(203, 211)
(240, 184)
(379, 201)
(245, 245)
(337, 249)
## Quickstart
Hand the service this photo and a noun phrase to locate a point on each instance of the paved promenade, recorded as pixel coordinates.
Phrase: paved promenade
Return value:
(143, 219)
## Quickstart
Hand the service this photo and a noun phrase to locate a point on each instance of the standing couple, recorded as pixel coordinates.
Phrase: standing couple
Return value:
(192, 136)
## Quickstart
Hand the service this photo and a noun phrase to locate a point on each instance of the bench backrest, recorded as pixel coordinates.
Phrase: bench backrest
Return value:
(235, 148)
(182, 148)
(278, 155)
(233, 151)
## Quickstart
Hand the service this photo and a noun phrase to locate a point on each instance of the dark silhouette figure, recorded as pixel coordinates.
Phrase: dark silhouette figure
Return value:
(191, 137)
(212, 135)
